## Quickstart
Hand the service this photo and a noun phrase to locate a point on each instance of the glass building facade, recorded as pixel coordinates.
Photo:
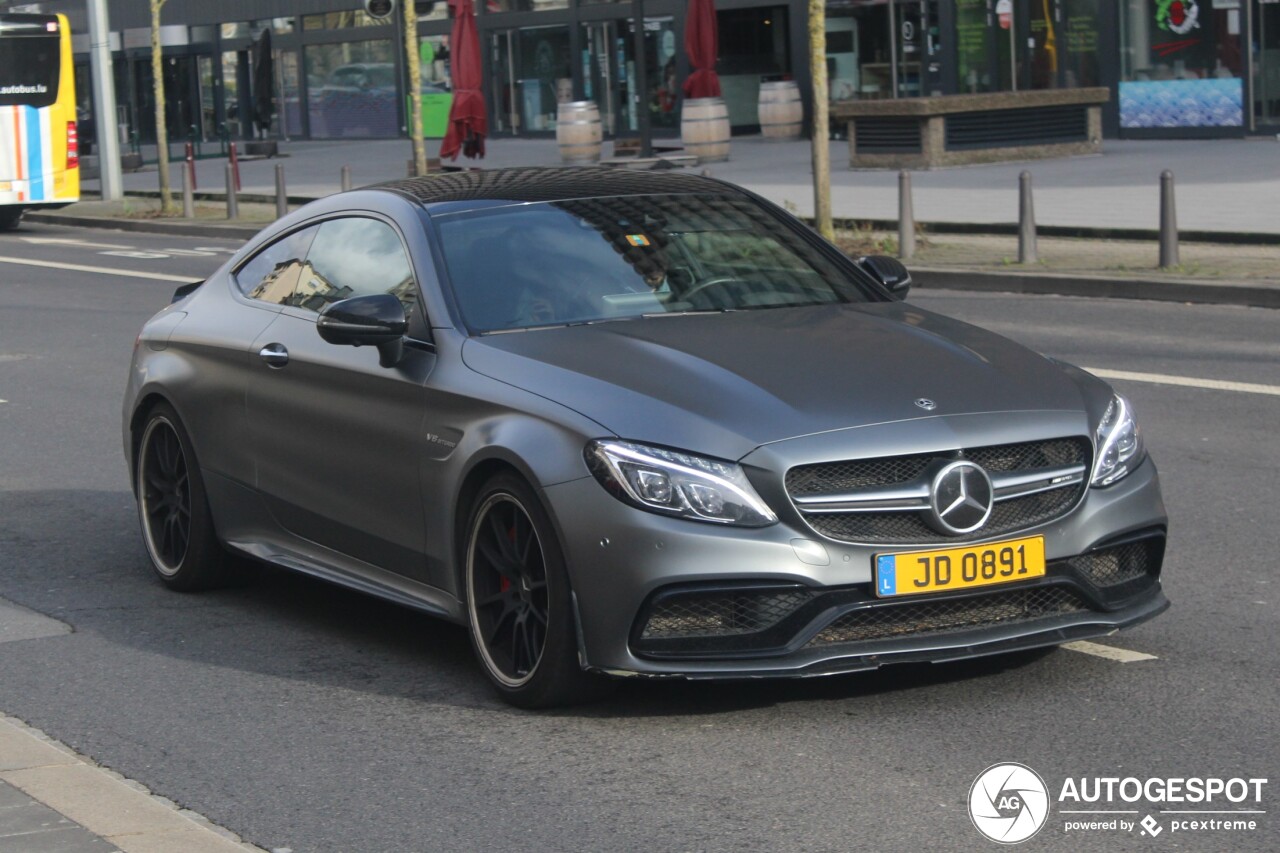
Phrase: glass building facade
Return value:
(1174, 67)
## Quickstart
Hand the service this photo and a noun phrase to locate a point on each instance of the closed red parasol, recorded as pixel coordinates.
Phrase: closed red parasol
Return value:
(702, 43)
(467, 121)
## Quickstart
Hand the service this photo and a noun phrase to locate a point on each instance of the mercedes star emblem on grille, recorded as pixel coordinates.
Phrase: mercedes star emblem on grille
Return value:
(926, 404)
(960, 499)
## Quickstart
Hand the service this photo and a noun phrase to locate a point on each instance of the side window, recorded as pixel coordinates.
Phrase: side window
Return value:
(272, 274)
(355, 256)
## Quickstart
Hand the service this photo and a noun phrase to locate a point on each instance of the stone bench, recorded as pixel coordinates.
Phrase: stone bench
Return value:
(955, 130)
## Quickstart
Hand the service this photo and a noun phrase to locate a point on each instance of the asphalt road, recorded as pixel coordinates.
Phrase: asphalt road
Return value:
(308, 718)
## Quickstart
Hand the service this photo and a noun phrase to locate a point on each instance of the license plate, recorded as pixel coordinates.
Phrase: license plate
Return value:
(959, 568)
(6, 186)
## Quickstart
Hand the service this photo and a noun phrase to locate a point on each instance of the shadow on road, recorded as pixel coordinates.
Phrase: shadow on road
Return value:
(77, 556)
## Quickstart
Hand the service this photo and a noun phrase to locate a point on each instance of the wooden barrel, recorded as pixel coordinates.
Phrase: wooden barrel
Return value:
(704, 129)
(781, 113)
(579, 132)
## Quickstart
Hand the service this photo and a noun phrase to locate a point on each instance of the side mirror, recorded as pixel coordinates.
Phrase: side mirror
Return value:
(890, 272)
(376, 320)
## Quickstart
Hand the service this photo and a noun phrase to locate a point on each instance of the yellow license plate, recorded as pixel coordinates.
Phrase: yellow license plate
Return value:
(6, 186)
(959, 568)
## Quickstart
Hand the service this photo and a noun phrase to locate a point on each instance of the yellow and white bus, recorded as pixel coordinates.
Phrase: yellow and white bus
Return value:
(39, 148)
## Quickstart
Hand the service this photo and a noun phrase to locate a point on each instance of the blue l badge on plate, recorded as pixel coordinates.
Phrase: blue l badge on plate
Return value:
(886, 575)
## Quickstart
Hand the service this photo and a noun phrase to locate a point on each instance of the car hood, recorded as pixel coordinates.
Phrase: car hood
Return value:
(724, 384)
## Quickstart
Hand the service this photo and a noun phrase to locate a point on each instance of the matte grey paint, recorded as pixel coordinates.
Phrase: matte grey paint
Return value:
(334, 466)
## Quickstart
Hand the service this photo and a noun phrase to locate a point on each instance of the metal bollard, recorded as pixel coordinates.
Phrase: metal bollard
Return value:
(282, 197)
(906, 218)
(188, 198)
(1026, 221)
(1168, 222)
(346, 178)
(233, 203)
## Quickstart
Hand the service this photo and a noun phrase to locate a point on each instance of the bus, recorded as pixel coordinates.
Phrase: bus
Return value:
(39, 148)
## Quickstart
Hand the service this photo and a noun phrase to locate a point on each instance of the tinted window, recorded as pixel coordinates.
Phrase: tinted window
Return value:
(29, 68)
(355, 257)
(596, 259)
(272, 274)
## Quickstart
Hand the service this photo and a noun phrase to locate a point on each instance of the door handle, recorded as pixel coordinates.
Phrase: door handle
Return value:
(275, 355)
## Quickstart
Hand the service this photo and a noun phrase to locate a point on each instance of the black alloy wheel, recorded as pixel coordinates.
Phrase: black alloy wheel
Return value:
(173, 509)
(518, 600)
(164, 496)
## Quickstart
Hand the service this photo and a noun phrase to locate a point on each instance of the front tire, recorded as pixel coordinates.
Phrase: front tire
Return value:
(519, 602)
(9, 218)
(173, 510)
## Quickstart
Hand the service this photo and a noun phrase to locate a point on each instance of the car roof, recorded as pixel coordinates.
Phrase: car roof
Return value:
(540, 183)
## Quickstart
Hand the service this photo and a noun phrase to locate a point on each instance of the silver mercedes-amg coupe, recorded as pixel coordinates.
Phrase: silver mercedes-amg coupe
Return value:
(632, 424)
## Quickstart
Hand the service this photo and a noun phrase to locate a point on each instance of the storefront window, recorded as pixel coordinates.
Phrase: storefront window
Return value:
(1082, 42)
(1044, 45)
(972, 63)
(291, 106)
(250, 29)
(525, 5)
(754, 49)
(532, 74)
(437, 87)
(432, 10)
(1181, 64)
(843, 78)
(352, 89)
(343, 20)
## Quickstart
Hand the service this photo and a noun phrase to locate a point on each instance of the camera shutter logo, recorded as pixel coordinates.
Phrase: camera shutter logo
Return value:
(1009, 803)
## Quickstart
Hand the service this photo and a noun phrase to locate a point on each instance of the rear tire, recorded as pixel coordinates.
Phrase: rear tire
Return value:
(9, 218)
(518, 600)
(173, 509)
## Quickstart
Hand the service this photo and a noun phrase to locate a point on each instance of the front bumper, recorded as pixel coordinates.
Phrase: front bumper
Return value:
(820, 615)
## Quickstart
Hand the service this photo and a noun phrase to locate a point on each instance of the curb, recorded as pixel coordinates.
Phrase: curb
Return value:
(1084, 232)
(149, 226)
(122, 812)
(1176, 290)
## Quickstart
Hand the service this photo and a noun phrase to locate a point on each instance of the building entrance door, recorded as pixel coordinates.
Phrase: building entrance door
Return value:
(1266, 66)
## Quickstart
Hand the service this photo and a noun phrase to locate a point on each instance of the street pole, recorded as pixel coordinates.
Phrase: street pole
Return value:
(104, 102)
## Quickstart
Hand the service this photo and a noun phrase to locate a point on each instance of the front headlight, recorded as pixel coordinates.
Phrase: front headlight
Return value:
(680, 484)
(1119, 443)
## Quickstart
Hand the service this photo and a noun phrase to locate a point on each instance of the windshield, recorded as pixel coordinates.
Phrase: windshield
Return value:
(29, 70)
(598, 259)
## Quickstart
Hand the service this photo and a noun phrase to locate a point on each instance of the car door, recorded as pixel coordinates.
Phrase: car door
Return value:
(336, 436)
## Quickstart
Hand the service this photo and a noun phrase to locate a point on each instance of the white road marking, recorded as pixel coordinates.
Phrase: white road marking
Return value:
(135, 253)
(31, 262)
(1187, 381)
(4, 401)
(66, 241)
(195, 253)
(1108, 652)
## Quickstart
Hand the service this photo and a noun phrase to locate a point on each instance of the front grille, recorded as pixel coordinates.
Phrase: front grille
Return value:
(937, 617)
(720, 614)
(907, 528)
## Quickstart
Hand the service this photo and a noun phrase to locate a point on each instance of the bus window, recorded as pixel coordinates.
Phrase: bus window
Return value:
(29, 67)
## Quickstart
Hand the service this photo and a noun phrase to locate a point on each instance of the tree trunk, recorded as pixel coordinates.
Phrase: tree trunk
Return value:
(162, 134)
(415, 87)
(820, 129)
